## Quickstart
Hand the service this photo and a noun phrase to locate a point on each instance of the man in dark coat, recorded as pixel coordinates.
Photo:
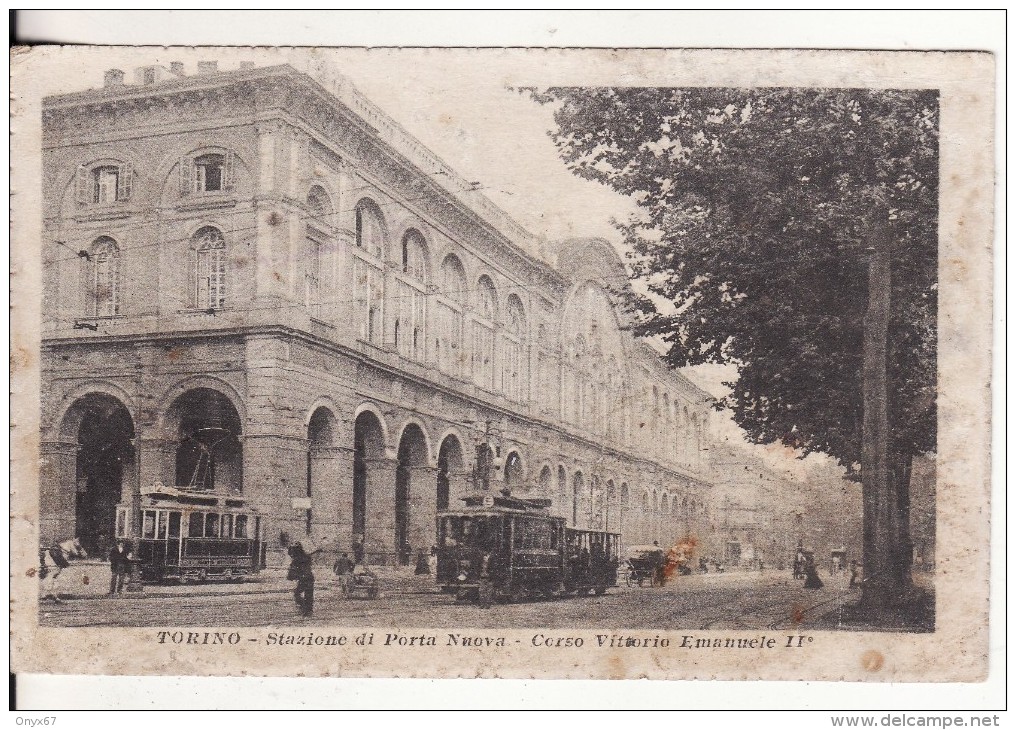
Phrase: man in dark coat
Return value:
(488, 568)
(300, 570)
(811, 579)
(119, 567)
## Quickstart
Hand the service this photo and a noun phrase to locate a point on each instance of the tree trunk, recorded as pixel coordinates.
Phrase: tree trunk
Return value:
(880, 502)
(899, 484)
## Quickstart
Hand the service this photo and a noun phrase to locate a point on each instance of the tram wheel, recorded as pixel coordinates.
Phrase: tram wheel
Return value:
(600, 590)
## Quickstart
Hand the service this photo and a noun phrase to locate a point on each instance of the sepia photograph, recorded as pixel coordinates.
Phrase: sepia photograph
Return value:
(456, 362)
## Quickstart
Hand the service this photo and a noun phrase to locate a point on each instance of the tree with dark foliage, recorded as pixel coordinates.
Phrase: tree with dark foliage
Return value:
(772, 222)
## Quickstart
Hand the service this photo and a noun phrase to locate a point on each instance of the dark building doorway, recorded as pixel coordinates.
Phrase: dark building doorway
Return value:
(105, 456)
(412, 453)
(449, 460)
(368, 445)
(209, 455)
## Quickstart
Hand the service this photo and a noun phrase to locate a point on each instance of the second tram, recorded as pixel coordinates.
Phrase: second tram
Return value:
(523, 549)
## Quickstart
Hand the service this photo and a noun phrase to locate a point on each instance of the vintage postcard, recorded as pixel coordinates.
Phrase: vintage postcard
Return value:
(501, 363)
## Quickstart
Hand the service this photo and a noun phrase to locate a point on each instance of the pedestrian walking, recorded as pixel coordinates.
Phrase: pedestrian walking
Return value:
(811, 579)
(422, 565)
(119, 567)
(432, 560)
(486, 588)
(300, 570)
(343, 569)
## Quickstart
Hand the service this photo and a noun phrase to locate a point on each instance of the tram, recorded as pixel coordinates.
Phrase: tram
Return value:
(531, 552)
(189, 534)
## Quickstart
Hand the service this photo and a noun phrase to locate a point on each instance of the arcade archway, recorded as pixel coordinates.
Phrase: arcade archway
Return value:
(449, 463)
(104, 464)
(209, 455)
(368, 448)
(412, 456)
(320, 439)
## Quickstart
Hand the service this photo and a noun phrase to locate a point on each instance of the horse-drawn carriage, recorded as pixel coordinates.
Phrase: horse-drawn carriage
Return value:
(645, 565)
(361, 583)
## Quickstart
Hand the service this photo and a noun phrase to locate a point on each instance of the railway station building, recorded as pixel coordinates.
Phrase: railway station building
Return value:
(257, 283)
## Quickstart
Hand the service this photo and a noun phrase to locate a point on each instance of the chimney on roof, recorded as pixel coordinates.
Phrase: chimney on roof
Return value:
(113, 77)
(246, 65)
(208, 67)
(176, 68)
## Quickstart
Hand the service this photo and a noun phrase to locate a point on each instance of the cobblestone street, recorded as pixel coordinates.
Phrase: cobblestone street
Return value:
(734, 601)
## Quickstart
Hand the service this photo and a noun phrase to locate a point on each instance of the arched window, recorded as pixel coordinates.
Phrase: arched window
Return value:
(545, 481)
(486, 298)
(562, 490)
(410, 292)
(666, 425)
(547, 383)
(514, 370)
(453, 279)
(319, 203)
(209, 268)
(448, 343)
(368, 277)
(578, 492)
(370, 232)
(483, 334)
(318, 273)
(104, 282)
(414, 255)
(513, 471)
(580, 377)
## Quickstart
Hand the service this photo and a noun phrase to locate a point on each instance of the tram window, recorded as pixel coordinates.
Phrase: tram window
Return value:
(486, 533)
(174, 524)
(240, 527)
(148, 525)
(449, 535)
(211, 525)
(196, 527)
(534, 534)
(161, 525)
(227, 525)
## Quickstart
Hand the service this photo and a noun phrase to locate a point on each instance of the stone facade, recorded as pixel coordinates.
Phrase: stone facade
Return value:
(256, 282)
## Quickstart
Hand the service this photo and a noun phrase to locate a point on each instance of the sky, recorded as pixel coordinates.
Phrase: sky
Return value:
(463, 106)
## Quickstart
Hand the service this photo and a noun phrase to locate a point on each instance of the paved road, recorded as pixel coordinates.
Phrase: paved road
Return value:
(729, 601)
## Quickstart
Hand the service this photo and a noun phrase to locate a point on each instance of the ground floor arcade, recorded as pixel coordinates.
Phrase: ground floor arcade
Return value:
(328, 447)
